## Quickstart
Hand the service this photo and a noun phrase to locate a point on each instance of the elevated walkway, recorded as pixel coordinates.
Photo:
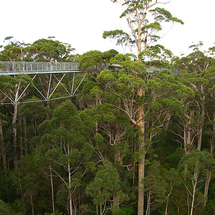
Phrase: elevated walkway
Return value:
(51, 80)
(15, 68)
(48, 80)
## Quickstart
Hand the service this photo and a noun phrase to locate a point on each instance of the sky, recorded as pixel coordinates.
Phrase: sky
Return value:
(81, 23)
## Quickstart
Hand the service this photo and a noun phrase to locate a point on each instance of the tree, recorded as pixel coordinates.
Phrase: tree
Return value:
(31, 115)
(70, 149)
(141, 35)
(193, 167)
(14, 50)
(150, 111)
(113, 137)
(210, 74)
(155, 187)
(104, 187)
(193, 72)
(172, 179)
(50, 50)
(142, 32)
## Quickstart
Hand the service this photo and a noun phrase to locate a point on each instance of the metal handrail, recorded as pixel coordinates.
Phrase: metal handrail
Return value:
(17, 66)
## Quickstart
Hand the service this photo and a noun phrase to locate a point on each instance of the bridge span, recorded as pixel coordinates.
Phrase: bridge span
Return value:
(15, 68)
(51, 80)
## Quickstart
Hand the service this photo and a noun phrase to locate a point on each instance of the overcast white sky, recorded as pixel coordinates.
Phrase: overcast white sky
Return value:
(81, 22)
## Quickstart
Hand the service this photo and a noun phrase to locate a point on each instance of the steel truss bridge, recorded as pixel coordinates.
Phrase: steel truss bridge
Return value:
(50, 80)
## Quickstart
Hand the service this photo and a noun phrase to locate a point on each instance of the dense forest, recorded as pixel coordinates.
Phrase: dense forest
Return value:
(138, 138)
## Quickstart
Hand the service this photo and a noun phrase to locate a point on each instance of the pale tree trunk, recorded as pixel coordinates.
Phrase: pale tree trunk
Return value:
(167, 203)
(97, 210)
(15, 134)
(69, 185)
(48, 79)
(134, 147)
(207, 183)
(194, 183)
(32, 205)
(70, 194)
(52, 188)
(101, 209)
(25, 135)
(188, 133)
(15, 112)
(200, 128)
(193, 198)
(148, 209)
(21, 139)
(202, 111)
(141, 167)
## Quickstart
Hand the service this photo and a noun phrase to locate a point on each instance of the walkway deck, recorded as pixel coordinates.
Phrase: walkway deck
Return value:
(15, 68)
(64, 74)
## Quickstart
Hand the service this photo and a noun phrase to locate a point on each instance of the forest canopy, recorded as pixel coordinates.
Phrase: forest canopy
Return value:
(138, 138)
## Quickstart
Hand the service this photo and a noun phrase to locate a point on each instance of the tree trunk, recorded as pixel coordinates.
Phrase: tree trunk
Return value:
(21, 147)
(101, 209)
(194, 193)
(188, 133)
(48, 79)
(70, 195)
(167, 203)
(207, 183)
(25, 136)
(202, 111)
(117, 156)
(148, 204)
(52, 188)
(15, 112)
(69, 185)
(200, 130)
(193, 200)
(15, 134)
(115, 203)
(32, 205)
(141, 167)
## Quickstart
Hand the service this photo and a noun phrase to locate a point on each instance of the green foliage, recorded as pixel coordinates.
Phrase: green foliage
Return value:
(56, 213)
(50, 50)
(125, 211)
(89, 144)
(105, 184)
(91, 61)
(137, 13)
(196, 162)
(163, 15)
(155, 185)
(3, 208)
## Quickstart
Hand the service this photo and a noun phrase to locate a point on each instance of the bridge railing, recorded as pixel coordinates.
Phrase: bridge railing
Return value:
(7, 66)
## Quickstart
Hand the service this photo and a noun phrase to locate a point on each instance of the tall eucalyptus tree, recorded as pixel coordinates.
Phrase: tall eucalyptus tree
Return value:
(142, 33)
